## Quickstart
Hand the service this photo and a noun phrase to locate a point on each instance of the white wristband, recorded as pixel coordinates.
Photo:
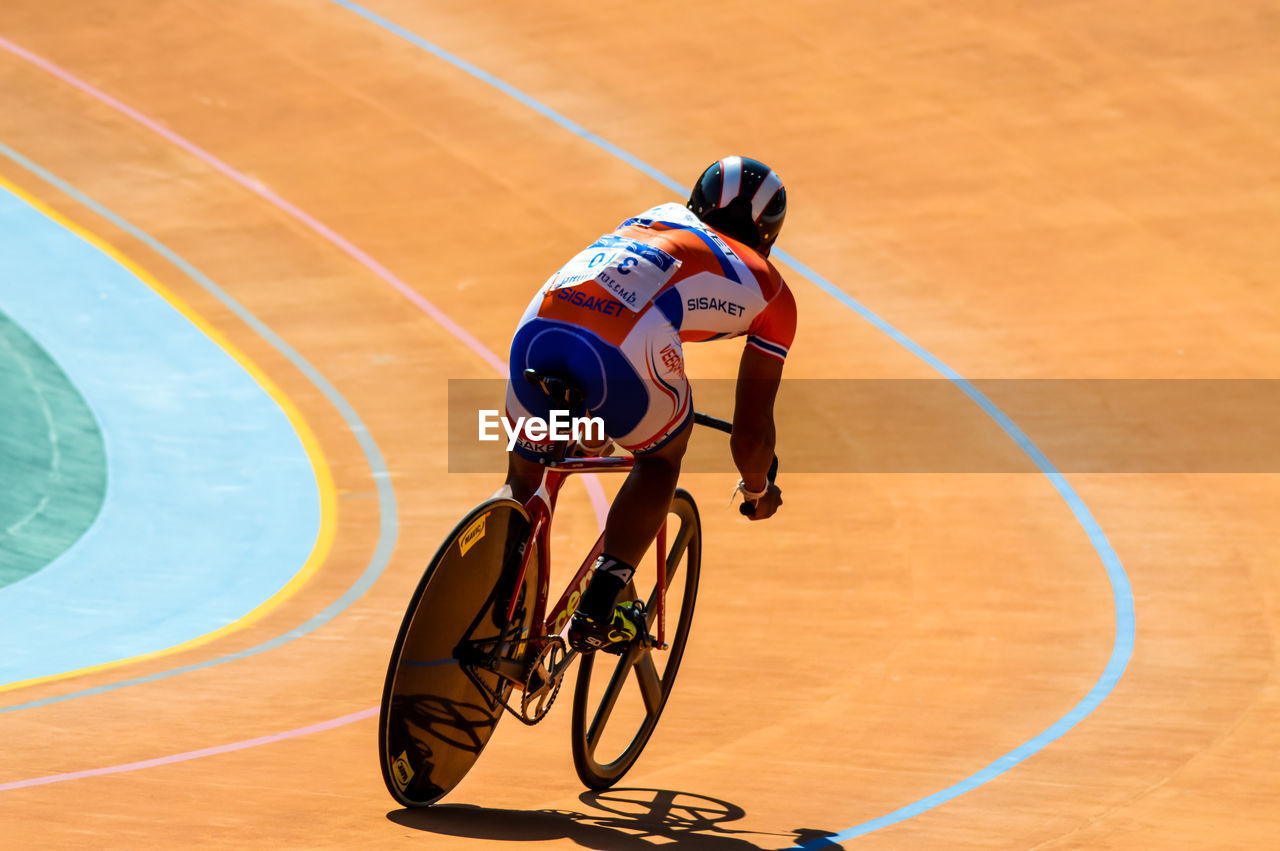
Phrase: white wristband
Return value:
(746, 494)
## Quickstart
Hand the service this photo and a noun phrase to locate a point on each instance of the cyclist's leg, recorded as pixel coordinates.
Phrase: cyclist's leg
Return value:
(640, 508)
(658, 440)
(524, 467)
(523, 478)
(637, 513)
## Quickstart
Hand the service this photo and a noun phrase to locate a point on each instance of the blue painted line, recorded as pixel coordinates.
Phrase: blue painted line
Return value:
(388, 528)
(1122, 595)
(511, 91)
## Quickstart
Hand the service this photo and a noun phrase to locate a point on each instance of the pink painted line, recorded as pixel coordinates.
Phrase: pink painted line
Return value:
(254, 186)
(183, 757)
(599, 502)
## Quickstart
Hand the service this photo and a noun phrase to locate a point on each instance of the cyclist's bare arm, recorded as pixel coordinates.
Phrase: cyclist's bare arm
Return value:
(754, 435)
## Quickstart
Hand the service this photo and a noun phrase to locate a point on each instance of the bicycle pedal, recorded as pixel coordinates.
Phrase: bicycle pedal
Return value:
(627, 626)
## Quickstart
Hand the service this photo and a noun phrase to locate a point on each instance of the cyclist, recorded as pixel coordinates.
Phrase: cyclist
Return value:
(612, 321)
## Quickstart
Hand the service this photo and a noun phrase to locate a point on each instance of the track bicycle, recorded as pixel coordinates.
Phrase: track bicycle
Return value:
(478, 639)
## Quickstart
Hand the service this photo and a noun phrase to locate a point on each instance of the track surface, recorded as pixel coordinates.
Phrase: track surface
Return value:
(1038, 193)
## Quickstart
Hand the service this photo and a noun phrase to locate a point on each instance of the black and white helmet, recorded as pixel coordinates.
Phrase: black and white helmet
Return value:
(742, 198)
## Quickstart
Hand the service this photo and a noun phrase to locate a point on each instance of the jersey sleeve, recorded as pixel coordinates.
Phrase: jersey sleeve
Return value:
(774, 328)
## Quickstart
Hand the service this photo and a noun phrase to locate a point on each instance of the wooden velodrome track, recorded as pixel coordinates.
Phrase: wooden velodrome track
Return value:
(1025, 191)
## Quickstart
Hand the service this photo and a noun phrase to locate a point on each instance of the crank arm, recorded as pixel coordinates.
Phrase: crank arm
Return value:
(557, 673)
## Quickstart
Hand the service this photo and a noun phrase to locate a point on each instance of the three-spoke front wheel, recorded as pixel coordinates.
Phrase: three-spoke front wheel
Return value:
(616, 704)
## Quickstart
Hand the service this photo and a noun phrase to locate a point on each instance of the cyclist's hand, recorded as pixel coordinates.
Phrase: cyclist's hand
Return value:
(767, 505)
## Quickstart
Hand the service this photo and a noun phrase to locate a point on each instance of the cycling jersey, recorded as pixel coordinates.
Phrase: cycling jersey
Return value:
(614, 319)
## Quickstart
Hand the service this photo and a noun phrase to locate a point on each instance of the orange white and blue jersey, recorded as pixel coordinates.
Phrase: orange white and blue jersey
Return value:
(615, 317)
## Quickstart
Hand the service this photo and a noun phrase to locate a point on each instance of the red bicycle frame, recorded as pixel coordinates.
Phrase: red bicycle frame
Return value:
(541, 508)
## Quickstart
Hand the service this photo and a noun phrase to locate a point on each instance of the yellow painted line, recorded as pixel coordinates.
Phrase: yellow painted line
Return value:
(324, 477)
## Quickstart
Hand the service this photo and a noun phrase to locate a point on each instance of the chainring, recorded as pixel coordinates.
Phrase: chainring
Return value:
(543, 683)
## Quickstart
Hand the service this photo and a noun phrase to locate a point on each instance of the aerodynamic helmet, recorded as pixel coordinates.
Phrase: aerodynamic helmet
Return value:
(742, 198)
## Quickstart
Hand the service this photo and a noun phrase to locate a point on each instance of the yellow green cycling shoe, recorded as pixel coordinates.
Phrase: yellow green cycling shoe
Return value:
(586, 634)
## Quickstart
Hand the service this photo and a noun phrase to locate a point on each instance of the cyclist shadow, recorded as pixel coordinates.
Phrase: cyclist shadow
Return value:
(622, 819)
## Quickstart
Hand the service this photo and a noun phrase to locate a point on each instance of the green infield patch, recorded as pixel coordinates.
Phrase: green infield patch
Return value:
(53, 466)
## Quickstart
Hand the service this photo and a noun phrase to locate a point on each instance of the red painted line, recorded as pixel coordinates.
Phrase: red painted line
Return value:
(594, 490)
(183, 757)
(266, 194)
(598, 501)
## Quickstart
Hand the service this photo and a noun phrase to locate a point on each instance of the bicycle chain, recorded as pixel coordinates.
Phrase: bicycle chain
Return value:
(519, 713)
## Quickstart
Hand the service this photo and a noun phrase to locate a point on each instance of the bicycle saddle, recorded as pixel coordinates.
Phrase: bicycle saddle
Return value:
(560, 389)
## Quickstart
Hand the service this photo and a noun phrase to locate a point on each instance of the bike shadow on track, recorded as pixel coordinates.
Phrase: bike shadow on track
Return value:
(622, 819)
